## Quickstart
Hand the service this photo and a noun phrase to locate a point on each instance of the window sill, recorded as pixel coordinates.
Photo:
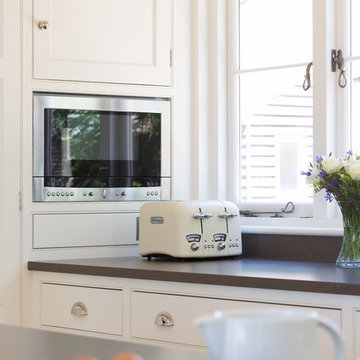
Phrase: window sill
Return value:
(292, 226)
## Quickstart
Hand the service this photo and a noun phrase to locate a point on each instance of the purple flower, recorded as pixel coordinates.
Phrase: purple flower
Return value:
(319, 158)
(322, 174)
(334, 184)
(350, 152)
(328, 196)
(305, 173)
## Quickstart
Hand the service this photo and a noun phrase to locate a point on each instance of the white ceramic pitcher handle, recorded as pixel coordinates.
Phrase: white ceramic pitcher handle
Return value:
(336, 334)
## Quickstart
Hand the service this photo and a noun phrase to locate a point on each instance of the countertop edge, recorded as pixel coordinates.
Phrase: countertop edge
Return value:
(200, 278)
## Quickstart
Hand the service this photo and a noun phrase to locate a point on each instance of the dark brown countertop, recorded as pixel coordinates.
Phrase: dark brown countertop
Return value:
(241, 272)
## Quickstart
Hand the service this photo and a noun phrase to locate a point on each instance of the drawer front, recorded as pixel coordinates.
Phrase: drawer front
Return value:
(75, 230)
(147, 307)
(82, 308)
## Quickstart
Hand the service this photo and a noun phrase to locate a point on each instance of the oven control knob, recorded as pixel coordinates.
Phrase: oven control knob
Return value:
(123, 193)
(194, 246)
(221, 246)
(91, 193)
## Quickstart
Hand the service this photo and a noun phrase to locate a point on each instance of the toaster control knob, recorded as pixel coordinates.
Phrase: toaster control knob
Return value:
(221, 246)
(194, 246)
(202, 215)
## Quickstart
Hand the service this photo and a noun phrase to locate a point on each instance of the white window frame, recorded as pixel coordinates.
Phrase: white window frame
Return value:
(330, 103)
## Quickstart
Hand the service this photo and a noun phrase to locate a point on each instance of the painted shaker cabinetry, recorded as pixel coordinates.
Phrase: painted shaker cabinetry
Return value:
(113, 43)
(135, 309)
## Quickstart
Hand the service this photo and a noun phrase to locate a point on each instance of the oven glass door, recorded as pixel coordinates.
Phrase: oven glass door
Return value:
(93, 148)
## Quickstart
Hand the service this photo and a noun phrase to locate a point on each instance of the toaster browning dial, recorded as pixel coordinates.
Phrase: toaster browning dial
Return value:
(194, 246)
(194, 239)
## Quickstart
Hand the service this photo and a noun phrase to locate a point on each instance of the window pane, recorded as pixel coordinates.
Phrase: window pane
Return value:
(275, 32)
(355, 106)
(276, 135)
(355, 75)
(355, 28)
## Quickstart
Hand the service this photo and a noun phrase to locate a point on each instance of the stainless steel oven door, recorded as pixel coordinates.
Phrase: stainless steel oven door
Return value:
(100, 148)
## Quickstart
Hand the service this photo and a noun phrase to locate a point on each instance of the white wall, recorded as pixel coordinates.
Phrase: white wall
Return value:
(10, 110)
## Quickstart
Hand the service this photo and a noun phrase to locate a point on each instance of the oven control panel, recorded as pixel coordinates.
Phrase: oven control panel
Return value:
(98, 194)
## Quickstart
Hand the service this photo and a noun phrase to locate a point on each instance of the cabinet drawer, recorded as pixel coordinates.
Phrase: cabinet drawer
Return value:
(82, 308)
(146, 307)
(75, 230)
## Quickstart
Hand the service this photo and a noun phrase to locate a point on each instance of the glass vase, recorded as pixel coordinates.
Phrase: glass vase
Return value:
(349, 256)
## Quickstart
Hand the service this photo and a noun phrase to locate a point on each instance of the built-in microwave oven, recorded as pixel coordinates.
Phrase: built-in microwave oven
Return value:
(100, 148)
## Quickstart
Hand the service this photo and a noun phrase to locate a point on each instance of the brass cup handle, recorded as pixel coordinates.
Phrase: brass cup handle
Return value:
(79, 309)
(43, 25)
(164, 319)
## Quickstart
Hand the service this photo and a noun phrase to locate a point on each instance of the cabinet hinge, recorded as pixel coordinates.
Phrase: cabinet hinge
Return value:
(171, 59)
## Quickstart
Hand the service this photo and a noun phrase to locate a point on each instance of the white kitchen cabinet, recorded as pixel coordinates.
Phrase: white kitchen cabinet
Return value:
(82, 308)
(114, 41)
(130, 307)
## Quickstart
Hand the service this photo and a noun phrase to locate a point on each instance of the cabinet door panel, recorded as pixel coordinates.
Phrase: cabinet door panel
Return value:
(103, 40)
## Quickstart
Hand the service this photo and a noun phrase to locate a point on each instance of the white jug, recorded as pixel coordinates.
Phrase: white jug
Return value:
(267, 335)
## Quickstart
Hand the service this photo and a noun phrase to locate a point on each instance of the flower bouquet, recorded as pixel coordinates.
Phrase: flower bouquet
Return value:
(340, 178)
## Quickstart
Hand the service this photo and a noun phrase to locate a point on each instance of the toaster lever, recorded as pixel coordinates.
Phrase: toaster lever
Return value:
(227, 215)
(201, 215)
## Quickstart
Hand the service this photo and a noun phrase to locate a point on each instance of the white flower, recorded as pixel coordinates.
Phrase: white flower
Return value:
(354, 170)
(348, 161)
(331, 164)
(312, 179)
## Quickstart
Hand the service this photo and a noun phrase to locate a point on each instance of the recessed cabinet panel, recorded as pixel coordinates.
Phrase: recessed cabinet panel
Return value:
(152, 314)
(117, 41)
(82, 308)
(2, 32)
(71, 230)
(357, 334)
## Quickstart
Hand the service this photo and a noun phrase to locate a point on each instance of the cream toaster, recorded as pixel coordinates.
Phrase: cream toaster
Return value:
(189, 229)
